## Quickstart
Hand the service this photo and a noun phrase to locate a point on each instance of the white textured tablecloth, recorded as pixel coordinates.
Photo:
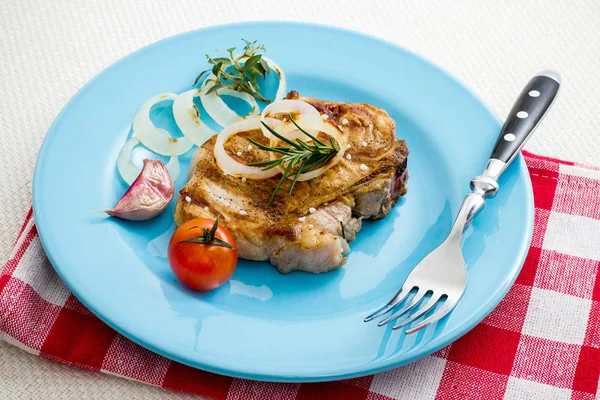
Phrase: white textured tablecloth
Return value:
(49, 49)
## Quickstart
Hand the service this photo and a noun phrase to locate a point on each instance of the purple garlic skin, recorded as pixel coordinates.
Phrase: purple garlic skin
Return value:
(148, 195)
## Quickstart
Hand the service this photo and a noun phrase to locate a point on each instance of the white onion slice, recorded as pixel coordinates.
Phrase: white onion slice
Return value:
(156, 139)
(228, 165)
(291, 107)
(282, 87)
(188, 119)
(320, 126)
(220, 112)
(130, 172)
(174, 167)
(216, 107)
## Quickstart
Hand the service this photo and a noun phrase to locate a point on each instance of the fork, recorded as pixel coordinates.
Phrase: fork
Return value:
(443, 273)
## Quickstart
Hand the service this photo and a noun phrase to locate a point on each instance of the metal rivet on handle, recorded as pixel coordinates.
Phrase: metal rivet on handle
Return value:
(509, 137)
(522, 114)
(534, 93)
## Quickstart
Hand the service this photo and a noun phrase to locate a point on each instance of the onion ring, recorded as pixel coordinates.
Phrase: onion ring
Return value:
(220, 112)
(287, 106)
(130, 172)
(216, 107)
(188, 119)
(228, 165)
(282, 86)
(156, 139)
(320, 126)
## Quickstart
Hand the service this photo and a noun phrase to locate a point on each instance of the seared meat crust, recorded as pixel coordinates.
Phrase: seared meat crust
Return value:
(342, 196)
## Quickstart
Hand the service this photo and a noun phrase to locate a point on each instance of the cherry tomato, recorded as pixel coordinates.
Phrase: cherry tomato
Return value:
(201, 266)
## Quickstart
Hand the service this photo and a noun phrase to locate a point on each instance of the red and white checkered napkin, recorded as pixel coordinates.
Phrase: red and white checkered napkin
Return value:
(541, 342)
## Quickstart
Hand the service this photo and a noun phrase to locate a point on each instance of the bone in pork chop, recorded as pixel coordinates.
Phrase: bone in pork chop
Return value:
(287, 234)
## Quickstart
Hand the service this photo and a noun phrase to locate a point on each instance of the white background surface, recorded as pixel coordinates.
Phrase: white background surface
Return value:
(49, 49)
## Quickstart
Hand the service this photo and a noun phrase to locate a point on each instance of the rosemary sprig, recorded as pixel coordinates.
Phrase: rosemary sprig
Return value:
(240, 77)
(207, 237)
(297, 159)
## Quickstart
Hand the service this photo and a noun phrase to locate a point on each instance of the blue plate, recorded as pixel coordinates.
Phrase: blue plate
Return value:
(263, 325)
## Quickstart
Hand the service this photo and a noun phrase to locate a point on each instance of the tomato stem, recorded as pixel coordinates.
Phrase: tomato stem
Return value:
(208, 237)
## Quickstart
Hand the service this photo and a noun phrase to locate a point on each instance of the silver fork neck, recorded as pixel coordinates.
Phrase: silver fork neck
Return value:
(482, 186)
(471, 206)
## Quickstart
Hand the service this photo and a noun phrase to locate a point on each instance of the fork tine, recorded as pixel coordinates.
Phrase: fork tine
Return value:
(413, 302)
(397, 299)
(439, 314)
(428, 306)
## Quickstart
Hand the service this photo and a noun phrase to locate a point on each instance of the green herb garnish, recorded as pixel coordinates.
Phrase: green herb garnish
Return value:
(240, 77)
(297, 159)
(207, 237)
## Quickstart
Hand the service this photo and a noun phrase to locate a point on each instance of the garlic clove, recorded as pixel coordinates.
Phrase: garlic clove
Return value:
(148, 195)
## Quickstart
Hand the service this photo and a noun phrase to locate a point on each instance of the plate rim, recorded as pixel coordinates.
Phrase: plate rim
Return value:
(465, 327)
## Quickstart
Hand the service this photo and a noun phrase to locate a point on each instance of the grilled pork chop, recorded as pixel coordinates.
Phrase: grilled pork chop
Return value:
(287, 233)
